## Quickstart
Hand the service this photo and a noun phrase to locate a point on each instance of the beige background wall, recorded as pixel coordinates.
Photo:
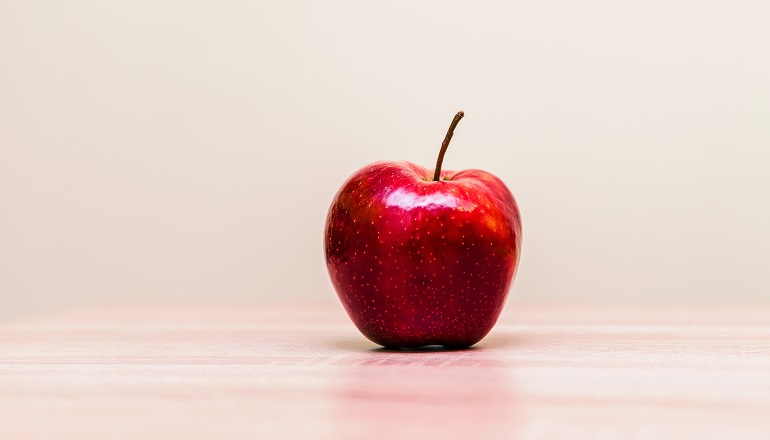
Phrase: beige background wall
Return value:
(185, 151)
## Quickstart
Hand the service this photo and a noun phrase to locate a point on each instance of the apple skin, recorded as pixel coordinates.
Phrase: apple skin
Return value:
(418, 262)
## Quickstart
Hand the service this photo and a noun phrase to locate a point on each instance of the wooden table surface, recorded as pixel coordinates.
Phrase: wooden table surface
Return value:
(246, 371)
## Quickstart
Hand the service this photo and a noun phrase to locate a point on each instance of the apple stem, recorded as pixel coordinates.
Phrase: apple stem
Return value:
(445, 144)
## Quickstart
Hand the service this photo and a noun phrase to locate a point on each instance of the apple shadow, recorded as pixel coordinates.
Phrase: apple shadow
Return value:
(425, 349)
(497, 340)
(364, 345)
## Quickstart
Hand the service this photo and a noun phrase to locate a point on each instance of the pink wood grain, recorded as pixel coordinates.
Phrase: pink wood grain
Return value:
(234, 371)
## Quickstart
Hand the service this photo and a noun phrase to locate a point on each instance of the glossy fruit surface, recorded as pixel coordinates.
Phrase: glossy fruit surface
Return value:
(420, 262)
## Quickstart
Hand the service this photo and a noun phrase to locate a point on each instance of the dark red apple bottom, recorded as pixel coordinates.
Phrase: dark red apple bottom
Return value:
(417, 262)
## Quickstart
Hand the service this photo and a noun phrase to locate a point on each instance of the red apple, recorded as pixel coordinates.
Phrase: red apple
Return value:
(423, 260)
